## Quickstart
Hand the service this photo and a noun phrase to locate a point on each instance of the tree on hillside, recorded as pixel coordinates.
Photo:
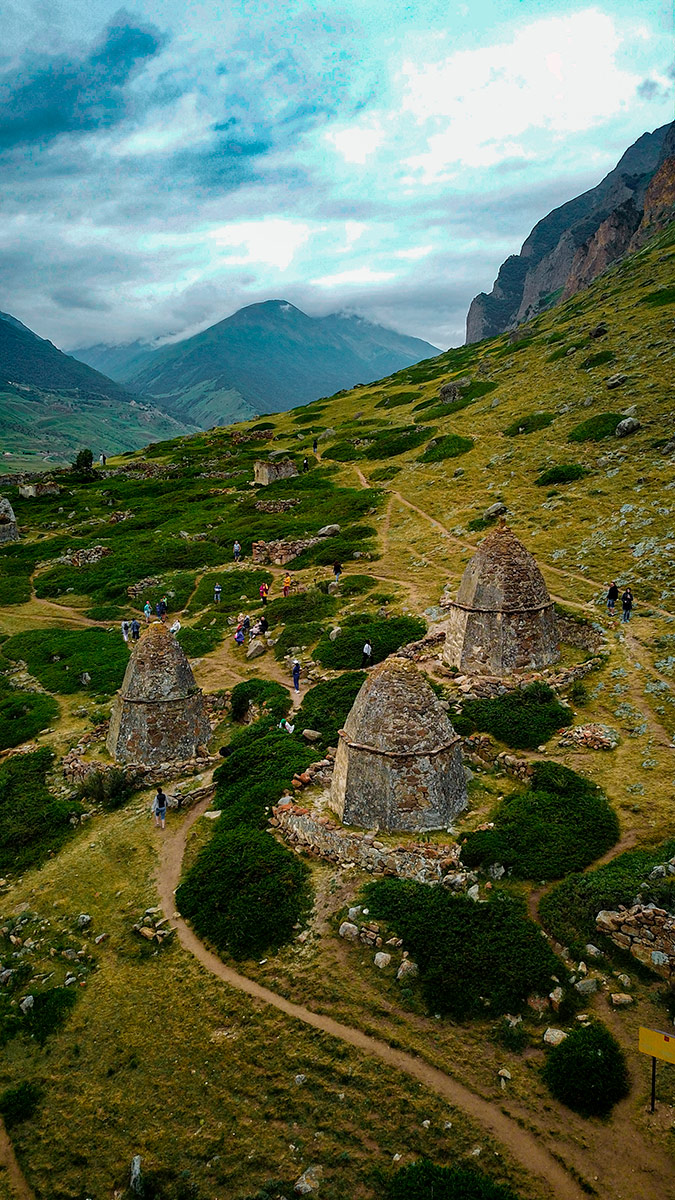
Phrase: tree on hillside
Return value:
(83, 464)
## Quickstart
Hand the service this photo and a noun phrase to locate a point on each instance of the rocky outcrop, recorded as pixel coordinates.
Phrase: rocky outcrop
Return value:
(659, 205)
(8, 527)
(270, 471)
(578, 240)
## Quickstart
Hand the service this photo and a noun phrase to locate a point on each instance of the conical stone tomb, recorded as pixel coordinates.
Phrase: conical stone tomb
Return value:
(8, 527)
(159, 714)
(399, 761)
(503, 619)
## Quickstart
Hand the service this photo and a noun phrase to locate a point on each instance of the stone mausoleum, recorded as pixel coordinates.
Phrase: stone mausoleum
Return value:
(159, 715)
(8, 527)
(503, 619)
(266, 471)
(399, 761)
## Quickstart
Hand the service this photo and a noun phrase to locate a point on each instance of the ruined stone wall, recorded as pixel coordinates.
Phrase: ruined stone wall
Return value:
(646, 932)
(425, 863)
(280, 552)
(265, 472)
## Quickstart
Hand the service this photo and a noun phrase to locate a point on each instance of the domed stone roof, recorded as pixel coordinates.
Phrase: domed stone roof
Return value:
(396, 712)
(158, 668)
(502, 576)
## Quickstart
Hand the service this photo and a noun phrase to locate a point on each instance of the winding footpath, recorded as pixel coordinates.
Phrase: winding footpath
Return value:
(522, 1145)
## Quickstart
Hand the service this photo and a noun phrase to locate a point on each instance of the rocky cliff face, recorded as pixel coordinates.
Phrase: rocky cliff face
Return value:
(574, 243)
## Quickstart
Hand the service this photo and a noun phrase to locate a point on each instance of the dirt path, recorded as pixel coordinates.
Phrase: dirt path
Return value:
(15, 1176)
(524, 1147)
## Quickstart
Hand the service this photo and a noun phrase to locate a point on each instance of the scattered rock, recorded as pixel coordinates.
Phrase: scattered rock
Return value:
(300, 1079)
(553, 1037)
(495, 510)
(256, 648)
(27, 1004)
(587, 986)
(328, 531)
(616, 381)
(348, 931)
(83, 921)
(620, 999)
(335, 633)
(628, 425)
(382, 960)
(308, 1182)
(136, 1178)
(311, 735)
(408, 969)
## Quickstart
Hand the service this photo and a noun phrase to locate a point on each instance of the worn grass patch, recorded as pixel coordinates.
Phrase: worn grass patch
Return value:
(560, 824)
(481, 956)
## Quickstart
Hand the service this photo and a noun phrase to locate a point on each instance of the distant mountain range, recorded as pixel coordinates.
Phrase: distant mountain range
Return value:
(576, 242)
(265, 358)
(52, 405)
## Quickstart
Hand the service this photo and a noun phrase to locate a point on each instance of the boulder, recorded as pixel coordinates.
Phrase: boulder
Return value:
(348, 931)
(256, 648)
(309, 1181)
(382, 960)
(620, 999)
(311, 735)
(495, 510)
(408, 969)
(334, 633)
(328, 531)
(553, 1037)
(616, 381)
(587, 986)
(627, 426)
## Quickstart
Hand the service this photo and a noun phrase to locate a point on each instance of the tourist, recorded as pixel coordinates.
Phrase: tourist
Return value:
(236, 550)
(305, 464)
(296, 674)
(315, 445)
(246, 625)
(239, 636)
(175, 628)
(286, 584)
(158, 609)
(216, 593)
(163, 608)
(135, 630)
(125, 630)
(147, 611)
(337, 571)
(367, 655)
(102, 459)
(159, 808)
(255, 631)
(264, 624)
(626, 605)
(264, 592)
(286, 725)
(612, 597)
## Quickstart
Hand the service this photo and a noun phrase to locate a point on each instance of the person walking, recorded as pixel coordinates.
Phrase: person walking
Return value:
(337, 571)
(264, 592)
(125, 630)
(102, 459)
(315, 445)
(158, 609)
(159, 808)
(217, 589)
(147, 610)
(612, 597)
(135, 630)
(626, 605)
(296, 674)
(305, 464)
(367, 655)
(286, 584)
(163, 608)
(236, 550)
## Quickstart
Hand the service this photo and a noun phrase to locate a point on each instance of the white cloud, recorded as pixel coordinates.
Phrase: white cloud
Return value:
(356, 143)
(414, 253)
(358, 275)
(274, 242)
(557, 76)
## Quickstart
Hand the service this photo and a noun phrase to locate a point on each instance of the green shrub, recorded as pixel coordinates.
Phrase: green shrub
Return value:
(259, 767)
(58, 657)
(391, 442)
(385, 635)
(565, 473)
(427, 1181)
(294, 637)
(356, 585)
(19, 1103)
(23, 714)
(198, 640)
(272, 697)
(522, 719)
(559, 824)
(326, 705)
(111, 789)
(595, 428)
(384, 473)
(341, 548)
(597, 360)
(568, 912)
(530, 423)
(301, 607)
(396, 399)
(510, 1036)
(49, 1012)
(32, 821)
(588, 1071)
(450, 446)
(344, 451)
(245, 892)
(234, 584)
(306, 416)
(664, 295)
(478, 524)
(481, 956)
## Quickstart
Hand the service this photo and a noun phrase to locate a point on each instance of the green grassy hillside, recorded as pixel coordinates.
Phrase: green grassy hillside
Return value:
(221, 1094)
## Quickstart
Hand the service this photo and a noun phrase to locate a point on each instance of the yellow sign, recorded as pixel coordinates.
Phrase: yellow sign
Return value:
(657, 1044)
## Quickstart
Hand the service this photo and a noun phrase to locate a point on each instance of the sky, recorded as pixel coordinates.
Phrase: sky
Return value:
(164, 164)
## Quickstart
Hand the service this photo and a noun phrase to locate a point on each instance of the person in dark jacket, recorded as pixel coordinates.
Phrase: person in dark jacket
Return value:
(296, 675)
(612, 597)
(626, 605)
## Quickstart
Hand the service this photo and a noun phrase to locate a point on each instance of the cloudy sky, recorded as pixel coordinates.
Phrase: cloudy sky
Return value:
(166, 163)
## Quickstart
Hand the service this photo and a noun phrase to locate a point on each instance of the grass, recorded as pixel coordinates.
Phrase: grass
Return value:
(481, 956)
(588, 1071)
(450, 446)
(428, 1181)
(530, 423)
(594, 429)
(656, 299)
(58, 658)
(564, 473)
(33, 823)
(385, 635)
(561, 823)
(392, 442)
(23, 714)
(522, 719)
(270, 697)
(234, 584)
(325, 706)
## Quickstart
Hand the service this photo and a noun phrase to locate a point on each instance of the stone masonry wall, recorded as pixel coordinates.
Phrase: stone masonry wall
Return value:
(646, 932)
(265, 472)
